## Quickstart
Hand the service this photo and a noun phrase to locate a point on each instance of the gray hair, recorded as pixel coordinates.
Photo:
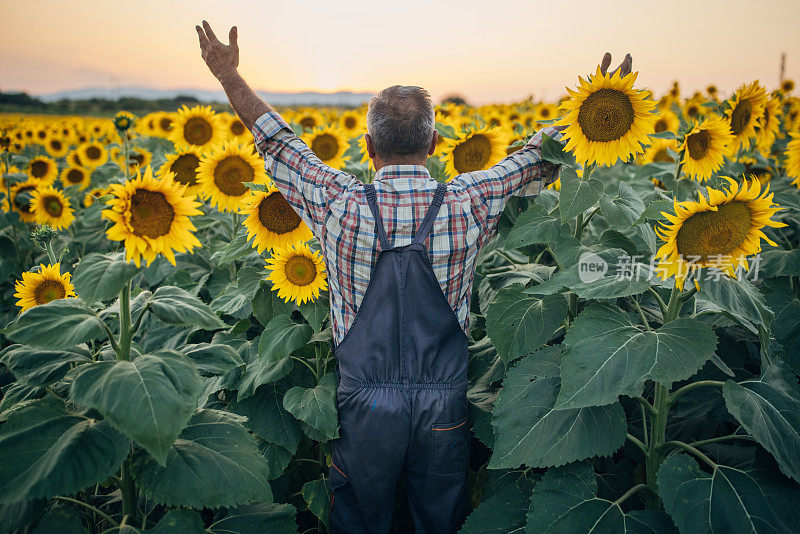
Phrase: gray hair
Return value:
(400, 121)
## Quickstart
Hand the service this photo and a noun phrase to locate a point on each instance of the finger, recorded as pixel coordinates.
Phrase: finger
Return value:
(210, 33)
(605, 63)
(628, 64)
(233, 37)
(202, 37)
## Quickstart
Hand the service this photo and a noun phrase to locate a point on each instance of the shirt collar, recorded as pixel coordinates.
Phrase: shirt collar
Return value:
(402, 171)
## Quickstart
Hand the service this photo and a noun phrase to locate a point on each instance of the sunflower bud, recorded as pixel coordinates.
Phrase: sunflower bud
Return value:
(123, 121)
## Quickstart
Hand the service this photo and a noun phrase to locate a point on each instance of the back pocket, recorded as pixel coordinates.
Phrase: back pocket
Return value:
(342, 501)
(450, 446)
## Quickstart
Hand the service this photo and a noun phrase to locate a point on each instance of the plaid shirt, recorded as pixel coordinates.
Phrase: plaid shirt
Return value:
(334, 206)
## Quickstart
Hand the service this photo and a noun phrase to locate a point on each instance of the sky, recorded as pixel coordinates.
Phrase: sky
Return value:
(487, 52)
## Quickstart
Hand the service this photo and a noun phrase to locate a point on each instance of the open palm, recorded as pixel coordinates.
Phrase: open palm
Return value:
(221, 59)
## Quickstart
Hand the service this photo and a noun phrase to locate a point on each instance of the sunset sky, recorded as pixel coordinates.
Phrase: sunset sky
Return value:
(485, 51)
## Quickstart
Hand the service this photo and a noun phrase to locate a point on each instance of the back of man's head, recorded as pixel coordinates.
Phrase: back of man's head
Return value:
(400, 121)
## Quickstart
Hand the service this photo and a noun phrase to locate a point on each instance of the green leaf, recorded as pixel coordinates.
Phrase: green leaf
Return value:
(47, 452)
(232, 302)
(565, 500)
(260, 371)
(317, 495)
(608, 356)
(604, 274)
(445, 130)
(176, 306)
(534, 226)
(212, 359)
(518, 324)
(653, 211)
(503, 511)
(179, 521)
(315, 312)
(214, 462)
(257, 518)
(529, 431)
(316, 406)
(786, 329)
(769, 409)
(102, 277)
(278, 458)
(35, 366)
(577, 195)
(267, 417)
(664, 135)
(61, 520)
(624, 209)
(281, 337)
(59, 324)
(778, 262)
(738, 297)
(725, 500)
(149, 400)
(553, 151)
(237, 248)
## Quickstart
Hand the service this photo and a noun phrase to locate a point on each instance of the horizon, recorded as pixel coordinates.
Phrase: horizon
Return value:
(361, 56)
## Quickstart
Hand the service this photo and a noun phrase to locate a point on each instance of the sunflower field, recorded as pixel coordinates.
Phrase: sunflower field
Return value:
(165, 357)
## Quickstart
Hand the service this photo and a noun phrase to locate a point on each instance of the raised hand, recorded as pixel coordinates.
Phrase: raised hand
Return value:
(222, 59)
(624, 67)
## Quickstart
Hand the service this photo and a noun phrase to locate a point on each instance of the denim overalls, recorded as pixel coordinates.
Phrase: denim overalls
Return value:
(402, 403)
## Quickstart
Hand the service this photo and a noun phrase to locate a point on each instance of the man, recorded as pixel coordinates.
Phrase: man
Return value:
(400, 255)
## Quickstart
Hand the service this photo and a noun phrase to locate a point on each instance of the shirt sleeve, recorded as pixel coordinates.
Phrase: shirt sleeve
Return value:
(307, 184)
(523, 173)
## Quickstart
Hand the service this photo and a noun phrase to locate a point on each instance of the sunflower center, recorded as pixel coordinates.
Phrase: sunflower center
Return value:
(661, 126)
(55, 144)
(93, 152)
(230, 173)
(165, 124)
(237, 127)
(473, 154)
(350, 122)
(325, 146)
(39, 168)
(52, 205)
(714, 232)
(698, 144)
(662, 155)
(151, 213)
(300, 270)
(197, 131)
(276, 215)
(693, 111)
(740, 117)
(545, 113)
(185, 169)
(49, 290)
(22, 200)
(74, 176)
(606, 115)
(308, 122)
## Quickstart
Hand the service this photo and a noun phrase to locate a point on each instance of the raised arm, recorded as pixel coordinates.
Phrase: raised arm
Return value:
(307, 184)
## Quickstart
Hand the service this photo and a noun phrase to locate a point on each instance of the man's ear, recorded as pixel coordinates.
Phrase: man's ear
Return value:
(370, 146)
(434, 142)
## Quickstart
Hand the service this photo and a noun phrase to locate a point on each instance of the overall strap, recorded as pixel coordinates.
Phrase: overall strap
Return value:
(433, 210)
(373, 206)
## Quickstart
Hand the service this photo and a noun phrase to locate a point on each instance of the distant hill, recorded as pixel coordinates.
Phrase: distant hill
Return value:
(341, 98)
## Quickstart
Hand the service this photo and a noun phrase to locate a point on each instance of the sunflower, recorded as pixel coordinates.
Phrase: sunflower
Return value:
(221, 174)
(658, 151)
(297, 273)
(545, 112)
(138, 158)
(352, 123)
(75, 176)
(164, 124)
(746, 108)
(309, 119)
(235, 129)
(199, 127)
(272, 221)
(94, 194)
(51, 207)
(607, 119)
(92, 154)
(152, 217)
(329, 144)
(183, 164)
(43, 170)
(718, 232)
(693, 109)
(20, 200)
(475, 150)
(42, 287)
(768, 126)
(787, 86)
(712, 91)
(666, 121)
(57, 147)
(705, 146)
(792, 155)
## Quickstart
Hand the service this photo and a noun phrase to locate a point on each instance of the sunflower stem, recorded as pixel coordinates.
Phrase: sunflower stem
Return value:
(661, 304)
(641, 314)
(689, 448)
(689, 387)
(128, 490)
(88, 507)
(48, 246)
(125, 334)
